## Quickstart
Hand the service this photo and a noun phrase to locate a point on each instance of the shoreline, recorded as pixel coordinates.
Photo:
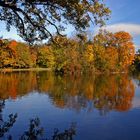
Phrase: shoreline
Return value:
(4, 70)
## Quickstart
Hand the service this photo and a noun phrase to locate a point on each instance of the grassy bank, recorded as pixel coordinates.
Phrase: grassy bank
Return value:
(6, 70)
(24, 69)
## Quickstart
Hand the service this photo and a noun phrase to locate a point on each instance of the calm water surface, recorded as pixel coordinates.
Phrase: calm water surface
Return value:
(98, 107)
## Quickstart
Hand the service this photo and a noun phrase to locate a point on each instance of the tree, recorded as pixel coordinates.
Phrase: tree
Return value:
(104, 39)
(7, 53)
(24, 58)
(111, 56)
(126, 49)
(104, 50)
(67, 55)
(15, 55)
(100, 62)
(34, 18)
(89, 57)
(113, 50)
(45, 57)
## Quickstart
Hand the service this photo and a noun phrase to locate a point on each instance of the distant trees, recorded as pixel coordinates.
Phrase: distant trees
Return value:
(107, 52)
(15, 55)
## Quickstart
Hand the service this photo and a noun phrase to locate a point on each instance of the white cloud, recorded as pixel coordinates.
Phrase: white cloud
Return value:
(137, 46)
(133, 29)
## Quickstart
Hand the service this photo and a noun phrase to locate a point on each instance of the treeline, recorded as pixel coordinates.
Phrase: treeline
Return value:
(112, 52)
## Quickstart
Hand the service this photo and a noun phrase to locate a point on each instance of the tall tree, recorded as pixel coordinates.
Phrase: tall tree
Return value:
(45, 57)
(114, 50)
(33, 19)
(126, 49)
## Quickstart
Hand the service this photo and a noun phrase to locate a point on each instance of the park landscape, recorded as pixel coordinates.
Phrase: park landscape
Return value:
(60, 86)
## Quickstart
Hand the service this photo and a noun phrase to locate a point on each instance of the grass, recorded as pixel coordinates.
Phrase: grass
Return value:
(24, 69)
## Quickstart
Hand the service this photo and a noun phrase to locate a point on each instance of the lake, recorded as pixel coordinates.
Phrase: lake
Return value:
(40, 105)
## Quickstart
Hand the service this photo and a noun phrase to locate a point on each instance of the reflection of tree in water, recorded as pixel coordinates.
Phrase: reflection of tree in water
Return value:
(6, 125)
(104, 92)
(2, 104)
(16, 84)
(35, 132)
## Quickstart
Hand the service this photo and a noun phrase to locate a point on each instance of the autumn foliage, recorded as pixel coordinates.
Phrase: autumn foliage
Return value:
(107, 52)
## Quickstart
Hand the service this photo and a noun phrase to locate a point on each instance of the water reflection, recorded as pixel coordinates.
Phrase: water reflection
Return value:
(35, 131)
(104, 92)
(6, 125)
(2, 104)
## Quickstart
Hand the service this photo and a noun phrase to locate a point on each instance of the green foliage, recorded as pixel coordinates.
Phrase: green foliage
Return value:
(100, 63)
(67, 55)
(24, 57)
(45, 57)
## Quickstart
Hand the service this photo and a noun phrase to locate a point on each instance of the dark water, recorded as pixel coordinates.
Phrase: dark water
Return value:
(98, 107)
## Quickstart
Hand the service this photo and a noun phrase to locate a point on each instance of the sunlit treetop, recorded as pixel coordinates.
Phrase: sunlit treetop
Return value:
(39, 19)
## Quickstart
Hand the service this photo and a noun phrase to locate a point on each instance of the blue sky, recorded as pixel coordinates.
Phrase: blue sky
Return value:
(124, 11)
(125, 16)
